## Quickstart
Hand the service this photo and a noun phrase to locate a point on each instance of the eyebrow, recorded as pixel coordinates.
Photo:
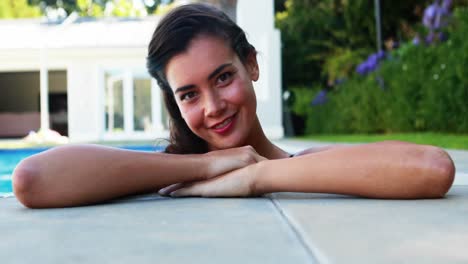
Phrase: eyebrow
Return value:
(218, 70)
(213, 74)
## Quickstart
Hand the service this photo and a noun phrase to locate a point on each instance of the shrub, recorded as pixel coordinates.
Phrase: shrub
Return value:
(418, 88)
(324, 39)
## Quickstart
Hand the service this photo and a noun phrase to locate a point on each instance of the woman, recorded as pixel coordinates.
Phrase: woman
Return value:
(206, 69)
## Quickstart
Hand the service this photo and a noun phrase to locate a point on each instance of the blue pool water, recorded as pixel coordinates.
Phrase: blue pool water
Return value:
(10, 158)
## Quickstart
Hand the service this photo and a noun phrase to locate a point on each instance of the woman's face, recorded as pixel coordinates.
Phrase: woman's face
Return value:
(214, 91)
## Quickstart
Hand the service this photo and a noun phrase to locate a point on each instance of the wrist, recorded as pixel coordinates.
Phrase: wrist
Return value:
(206, 165)
(203, 166)
(258, 174)
(190, 167)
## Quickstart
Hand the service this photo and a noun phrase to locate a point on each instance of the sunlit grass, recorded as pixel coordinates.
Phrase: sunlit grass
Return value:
(450, 141)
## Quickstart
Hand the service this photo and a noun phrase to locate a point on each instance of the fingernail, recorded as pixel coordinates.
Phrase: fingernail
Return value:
(162, 192)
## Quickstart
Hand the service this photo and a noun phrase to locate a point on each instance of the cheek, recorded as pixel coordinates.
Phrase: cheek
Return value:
(243, 95)
(193, 116)
(240, 93)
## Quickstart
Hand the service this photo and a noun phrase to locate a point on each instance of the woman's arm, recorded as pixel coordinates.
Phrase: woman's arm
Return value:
(395, 170)
(83, 174)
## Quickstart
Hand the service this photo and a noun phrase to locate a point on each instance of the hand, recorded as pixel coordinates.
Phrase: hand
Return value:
(237, 183)
(222, 161)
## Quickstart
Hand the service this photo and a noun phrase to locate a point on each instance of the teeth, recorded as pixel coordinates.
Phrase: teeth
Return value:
(223, 124)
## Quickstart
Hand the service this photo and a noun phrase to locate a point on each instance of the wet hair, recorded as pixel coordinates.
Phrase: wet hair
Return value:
(173, 36)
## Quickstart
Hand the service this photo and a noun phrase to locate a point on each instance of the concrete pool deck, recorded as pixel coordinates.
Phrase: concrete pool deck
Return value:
(277, 228)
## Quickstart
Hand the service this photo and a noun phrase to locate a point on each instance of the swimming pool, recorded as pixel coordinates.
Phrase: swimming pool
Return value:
(9, 158)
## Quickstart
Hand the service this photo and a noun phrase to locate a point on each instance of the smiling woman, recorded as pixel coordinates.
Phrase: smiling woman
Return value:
(206, 69)
(219, 103)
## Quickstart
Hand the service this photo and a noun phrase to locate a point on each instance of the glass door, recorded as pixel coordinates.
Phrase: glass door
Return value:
(133, 107)
(142, 109)
(114, 103)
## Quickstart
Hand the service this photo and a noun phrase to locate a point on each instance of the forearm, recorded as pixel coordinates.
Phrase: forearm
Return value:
(82, 174)
(373, 170)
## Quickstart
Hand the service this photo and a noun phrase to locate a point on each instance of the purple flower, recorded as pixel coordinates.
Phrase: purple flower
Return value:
(430, 14)
(445, 12)
(442, 36)
(416, 40)
(371, 63)
(435, 15)
(320, 98)
(446, 6)
(362, 68)
(430, 38)
(381, 55)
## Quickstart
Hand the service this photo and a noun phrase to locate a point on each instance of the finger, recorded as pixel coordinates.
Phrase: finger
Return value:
(167, 190)
(192, 190)
(183, 192)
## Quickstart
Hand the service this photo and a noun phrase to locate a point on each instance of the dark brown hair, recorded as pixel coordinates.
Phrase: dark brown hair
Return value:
(172, 37)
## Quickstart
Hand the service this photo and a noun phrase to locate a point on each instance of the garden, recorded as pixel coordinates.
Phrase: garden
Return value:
(340, 86)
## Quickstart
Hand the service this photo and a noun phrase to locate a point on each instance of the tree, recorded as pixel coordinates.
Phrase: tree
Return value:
(98, 8)
(323, 40)
(18, 9)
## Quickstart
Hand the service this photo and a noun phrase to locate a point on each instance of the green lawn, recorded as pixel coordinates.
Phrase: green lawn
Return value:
(451, 141)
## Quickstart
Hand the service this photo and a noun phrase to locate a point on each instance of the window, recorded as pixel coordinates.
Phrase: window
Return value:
(132, 103)
(114, 103)
(142, 116)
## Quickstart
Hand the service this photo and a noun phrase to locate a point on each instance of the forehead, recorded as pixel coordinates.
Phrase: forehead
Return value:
(203, 56)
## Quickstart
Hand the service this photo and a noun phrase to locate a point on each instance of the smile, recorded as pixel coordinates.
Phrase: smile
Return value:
(224, 126)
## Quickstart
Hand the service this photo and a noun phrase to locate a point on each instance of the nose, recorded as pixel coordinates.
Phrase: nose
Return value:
(215, 105)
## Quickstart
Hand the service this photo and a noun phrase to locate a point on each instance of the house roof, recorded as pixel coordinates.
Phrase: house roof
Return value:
(81, 33)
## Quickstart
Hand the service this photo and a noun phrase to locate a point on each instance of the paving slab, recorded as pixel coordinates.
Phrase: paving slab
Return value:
(460, 158)
(278, 228)
(345, 229)
(150, 229)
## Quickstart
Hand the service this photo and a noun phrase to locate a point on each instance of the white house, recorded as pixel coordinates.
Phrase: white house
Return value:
(87, 78)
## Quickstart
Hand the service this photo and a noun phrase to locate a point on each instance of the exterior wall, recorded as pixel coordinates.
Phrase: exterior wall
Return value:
(86, 86)
(257, 20)
(83, 102)
(85, 69)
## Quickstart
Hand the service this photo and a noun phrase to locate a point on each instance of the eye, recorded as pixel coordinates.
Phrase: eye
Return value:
(224, 78)
(188, 96)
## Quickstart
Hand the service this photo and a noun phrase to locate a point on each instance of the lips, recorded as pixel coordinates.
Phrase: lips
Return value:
(225, 125)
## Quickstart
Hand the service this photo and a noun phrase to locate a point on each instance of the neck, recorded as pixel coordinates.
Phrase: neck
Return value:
(262, 144)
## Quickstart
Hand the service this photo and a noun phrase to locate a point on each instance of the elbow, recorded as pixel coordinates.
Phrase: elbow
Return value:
(25, 180)
(441, 171)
